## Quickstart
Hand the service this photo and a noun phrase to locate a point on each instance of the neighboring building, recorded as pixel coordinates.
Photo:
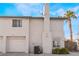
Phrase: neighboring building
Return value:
(67, 45)
(75, 46)
(22, 33)
(78, 44)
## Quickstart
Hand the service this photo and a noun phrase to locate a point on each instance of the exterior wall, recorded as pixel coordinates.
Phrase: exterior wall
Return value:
(57, 31)
(6, 29)
(32, 29)
(78, 45)
(1, 43)
(46, 37)
(36, 29)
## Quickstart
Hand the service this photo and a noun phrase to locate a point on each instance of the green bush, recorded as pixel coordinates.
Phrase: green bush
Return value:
(64, 51)
(60, 51)
(56, 51)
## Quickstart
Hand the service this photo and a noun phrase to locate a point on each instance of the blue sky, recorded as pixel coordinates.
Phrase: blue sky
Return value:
(56, 9)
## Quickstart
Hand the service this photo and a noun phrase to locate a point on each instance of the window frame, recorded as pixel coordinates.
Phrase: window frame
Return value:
(56, 43)
(16, 23)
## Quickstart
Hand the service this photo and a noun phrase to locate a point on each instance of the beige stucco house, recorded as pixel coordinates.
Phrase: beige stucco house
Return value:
(22, 33)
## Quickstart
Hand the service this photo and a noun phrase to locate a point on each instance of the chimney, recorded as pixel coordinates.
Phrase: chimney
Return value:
(46, 18)
(46, 38)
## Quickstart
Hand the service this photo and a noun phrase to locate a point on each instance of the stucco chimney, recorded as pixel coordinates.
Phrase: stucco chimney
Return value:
(46, 18)
(47, 41)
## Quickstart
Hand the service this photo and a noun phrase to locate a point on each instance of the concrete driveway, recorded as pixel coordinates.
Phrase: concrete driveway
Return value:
(24, 54)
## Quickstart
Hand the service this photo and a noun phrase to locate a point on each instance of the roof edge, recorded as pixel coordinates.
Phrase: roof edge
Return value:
(32, 17)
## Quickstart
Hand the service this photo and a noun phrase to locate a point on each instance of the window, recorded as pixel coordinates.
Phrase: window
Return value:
(17, 23)
(56, 44)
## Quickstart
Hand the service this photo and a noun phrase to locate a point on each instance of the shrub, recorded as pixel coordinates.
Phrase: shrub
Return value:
(60, 51)
(56, 51)
(64, 51)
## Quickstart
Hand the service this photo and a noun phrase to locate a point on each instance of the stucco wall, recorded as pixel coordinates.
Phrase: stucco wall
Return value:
(36, 29)
(1, 43)
(6, 28)
(33, 29)
(57, 31)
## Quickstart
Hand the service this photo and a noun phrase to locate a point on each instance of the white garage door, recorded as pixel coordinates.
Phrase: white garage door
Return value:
(1, 38)
(16, 44)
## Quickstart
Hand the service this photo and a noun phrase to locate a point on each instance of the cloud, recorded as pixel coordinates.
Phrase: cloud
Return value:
(77, 14)
(29, 9)
(59, 12)
(75, 9)
(52, 13)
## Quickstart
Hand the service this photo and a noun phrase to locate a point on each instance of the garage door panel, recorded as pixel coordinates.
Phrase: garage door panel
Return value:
(16, 44)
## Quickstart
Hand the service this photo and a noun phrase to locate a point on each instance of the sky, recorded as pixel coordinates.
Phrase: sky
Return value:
(36, 9)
